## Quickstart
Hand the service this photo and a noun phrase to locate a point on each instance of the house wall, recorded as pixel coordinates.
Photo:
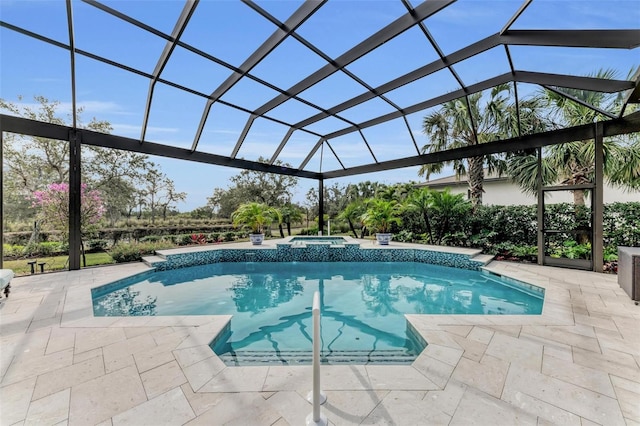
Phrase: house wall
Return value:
(506, 193)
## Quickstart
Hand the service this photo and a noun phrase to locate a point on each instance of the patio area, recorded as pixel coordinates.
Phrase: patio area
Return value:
(577, 363)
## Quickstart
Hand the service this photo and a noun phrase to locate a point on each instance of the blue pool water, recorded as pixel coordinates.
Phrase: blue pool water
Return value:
(363, 305)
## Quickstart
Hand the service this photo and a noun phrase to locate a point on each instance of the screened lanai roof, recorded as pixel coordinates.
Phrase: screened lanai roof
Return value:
(333, 88)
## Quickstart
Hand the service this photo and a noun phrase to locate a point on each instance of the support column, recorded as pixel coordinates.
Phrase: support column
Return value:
(598, 205)
(321, 206)
(75, 180)
(1, 199)
(540, 210)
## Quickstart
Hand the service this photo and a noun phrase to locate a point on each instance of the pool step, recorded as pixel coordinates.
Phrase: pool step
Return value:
(153, 260)
(388, 357)
(484, 259)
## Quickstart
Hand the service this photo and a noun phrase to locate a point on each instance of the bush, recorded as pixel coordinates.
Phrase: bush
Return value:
(12, 250)
(183, 239)
(52, 248)
(151, 239)
(309, 231)
(404, 236)
(96, 245)
(198, 239)
(572, 250)
(135, 251)
(229, 236)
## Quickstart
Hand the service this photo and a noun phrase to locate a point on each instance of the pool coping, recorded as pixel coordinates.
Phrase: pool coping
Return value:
(78, 312)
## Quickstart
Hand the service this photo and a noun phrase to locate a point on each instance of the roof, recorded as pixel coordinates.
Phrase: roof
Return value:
(343, 84)
(454, 180)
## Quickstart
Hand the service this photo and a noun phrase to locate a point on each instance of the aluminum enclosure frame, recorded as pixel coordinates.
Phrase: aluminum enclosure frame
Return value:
(412, 17)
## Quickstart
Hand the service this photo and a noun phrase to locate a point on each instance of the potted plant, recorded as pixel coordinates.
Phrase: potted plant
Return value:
(255, 216)
(379, 217)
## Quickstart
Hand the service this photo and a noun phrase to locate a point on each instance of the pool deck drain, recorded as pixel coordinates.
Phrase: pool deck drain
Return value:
(576, 363)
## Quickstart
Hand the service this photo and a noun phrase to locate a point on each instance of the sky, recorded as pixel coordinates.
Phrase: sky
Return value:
(231, 31)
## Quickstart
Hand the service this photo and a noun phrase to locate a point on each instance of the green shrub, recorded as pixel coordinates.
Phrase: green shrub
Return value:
(572, 250)
(229, 236)
(12, 250)
(151, 239)
(31, 249)
(610, 254)
(52, 248)
(309, 231)
(183, 239)
(135, 251)
(404, 236)
(96, 245)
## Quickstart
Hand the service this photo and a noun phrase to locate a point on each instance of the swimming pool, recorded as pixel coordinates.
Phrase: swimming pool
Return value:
(363, 305)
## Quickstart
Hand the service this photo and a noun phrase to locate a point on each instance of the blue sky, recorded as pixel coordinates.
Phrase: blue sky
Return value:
(231, 31)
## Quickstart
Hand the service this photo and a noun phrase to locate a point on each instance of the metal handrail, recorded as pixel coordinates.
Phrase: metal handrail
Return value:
(316, 396)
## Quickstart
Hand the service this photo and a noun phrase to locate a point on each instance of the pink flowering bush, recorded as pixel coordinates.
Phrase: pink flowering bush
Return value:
(53, 203)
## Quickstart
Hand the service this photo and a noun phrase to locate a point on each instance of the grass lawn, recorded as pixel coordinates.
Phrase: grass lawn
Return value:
(54, 263)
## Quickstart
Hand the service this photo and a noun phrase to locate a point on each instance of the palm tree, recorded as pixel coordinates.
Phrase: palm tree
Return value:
(381, 214)
(573, 163)
(447, 207)
(496, 118)
(290, 214)
(421, 201)
(256, 216)
(353, 213)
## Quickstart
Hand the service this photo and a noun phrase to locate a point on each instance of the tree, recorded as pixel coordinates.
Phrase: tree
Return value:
(573, 163)
(269, 188)
(421, 201)
(32, 162)
(381, 214)
(256, 216)
(250, 185)
(204, 212)
(352, 213)
(53, 203)
(493, 119)
(171, 197)
(116, 174)
(336, 198)
(447, 208)
(290, 214)
(159, 192)
(363, 190)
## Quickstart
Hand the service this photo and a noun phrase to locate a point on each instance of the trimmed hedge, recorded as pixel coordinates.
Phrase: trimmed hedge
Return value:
(490, 227)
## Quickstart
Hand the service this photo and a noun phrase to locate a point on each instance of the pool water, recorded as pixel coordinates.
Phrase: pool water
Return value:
(362, 304)
(317, 240)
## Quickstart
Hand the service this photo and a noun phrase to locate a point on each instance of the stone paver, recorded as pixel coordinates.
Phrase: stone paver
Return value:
(170, 408)
(577, 363)
(104, 397)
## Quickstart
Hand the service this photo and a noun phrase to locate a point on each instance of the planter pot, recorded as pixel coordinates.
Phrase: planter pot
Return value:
(256, 239)
(383, 239)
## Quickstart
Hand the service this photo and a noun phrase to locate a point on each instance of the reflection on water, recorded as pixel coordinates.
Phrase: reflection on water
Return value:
(363, 304)
(125, 302)
(256, 293)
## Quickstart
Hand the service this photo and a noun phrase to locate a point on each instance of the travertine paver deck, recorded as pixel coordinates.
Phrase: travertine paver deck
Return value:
(577, 363)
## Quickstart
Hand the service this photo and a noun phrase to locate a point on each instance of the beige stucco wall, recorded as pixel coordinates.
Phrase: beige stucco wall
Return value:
(505, 193)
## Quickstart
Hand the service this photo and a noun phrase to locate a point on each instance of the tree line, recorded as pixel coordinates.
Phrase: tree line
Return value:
(131, 185)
